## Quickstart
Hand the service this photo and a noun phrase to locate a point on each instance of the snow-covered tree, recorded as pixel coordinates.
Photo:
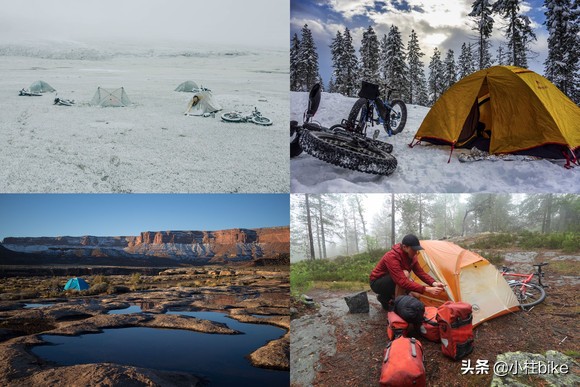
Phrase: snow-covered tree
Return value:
(450, 76)
(562, 67)
(331, 86)
(416, 84)
(518, 32)
(369, 56)
(395, 69)
(294, 63)
(501, 55)
(307, 61)
(436, 76)
(481, 12)
(465, 61)
(350, 62)
(337, 54)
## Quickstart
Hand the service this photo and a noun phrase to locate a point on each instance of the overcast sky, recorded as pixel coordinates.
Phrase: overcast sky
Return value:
(439, 23)
(227, 22)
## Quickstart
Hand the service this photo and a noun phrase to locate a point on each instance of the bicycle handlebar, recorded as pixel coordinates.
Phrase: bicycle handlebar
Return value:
(541, 264)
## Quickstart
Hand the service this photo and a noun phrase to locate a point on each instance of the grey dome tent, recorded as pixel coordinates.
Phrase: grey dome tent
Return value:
(40, 87)
(202, 103)
(188, 86)
(106, 98)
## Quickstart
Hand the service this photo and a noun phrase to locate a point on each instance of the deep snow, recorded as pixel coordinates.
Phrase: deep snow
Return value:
(149, 146)
(423, 168)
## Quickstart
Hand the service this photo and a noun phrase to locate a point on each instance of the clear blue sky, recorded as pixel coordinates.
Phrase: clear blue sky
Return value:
(441, 24)
(122, 214)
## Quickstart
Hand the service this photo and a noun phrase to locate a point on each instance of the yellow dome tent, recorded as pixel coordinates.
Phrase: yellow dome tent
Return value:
(469, 278)
(505, 109)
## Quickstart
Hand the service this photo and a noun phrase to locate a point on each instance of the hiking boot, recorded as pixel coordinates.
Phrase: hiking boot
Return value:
(385, 302)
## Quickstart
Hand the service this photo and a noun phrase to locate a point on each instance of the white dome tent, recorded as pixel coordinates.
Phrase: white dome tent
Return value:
(106, 98)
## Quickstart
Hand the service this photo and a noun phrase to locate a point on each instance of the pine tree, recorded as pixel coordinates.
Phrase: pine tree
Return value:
(331, 86)
(396, 71)
(450, 76)
(562, 67)
(465, 61)
(294, 64)
(518, 32)
(307, 61)
(416, 88)
(337, 53)
(369, 54)
(481, 12)
(501, 55)
(350, 62)
(436, 76)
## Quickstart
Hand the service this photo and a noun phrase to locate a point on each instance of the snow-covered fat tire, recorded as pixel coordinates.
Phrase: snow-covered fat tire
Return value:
(358, 113)
(232, 117)
(295, 148)
(398, 116)
(344, 152)
(264, 121)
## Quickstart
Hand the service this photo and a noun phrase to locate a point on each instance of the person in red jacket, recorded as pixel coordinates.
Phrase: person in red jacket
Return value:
(391, 274)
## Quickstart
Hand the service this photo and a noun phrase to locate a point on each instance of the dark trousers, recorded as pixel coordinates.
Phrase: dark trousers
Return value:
(384, 287)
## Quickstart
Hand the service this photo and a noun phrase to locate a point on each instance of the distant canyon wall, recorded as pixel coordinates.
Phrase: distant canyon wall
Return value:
(196, 246)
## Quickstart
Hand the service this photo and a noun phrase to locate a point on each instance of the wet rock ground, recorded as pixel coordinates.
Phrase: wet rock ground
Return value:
(331, 347)
(243, 294)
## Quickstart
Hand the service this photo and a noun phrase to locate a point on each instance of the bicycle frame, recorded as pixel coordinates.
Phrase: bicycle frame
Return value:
(372, 105)
(528, 277)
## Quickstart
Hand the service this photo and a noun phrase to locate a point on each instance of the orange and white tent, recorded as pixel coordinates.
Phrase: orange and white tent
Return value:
(469, 278)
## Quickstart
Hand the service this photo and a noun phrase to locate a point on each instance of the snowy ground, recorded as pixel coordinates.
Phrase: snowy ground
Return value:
(423, 168)
(150, 146)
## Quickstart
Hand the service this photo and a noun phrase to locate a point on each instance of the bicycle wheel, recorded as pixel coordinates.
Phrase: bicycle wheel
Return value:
(349, 152)
(398, 116)
(358, 114)
(232, 117)
(384, 146)
(529, 295)
(295, 148)
(261, 120)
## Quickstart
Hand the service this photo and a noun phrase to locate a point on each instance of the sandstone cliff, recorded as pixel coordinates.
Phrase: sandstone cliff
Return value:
(196, 247)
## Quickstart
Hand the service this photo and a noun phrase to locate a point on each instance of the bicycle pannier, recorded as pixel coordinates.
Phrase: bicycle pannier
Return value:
(397, 326)
(368, 90)
(456, 329)
(403, 363)
(410, 309)
(430, 328)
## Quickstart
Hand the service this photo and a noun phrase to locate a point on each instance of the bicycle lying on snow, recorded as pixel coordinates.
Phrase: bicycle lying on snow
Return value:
(255, 116)
(527, 293)
(345, 145)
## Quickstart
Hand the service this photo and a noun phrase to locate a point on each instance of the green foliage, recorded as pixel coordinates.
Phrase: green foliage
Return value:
(494, 258)
(343, 269)
(495, 241)
(567, 241)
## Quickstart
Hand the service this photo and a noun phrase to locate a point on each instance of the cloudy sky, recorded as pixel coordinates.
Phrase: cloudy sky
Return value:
(122, 214)
(439, 23)
(228, 22)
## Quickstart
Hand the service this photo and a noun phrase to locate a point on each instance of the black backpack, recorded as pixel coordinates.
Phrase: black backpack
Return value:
(410, 309)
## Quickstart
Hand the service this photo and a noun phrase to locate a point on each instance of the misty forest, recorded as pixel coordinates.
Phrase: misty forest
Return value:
(329, 225)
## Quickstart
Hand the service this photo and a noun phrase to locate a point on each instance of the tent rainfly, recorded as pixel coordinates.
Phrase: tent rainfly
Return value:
(468, 277)
(202, 103)
(76, 284)
(188, 86)
(41, 87)
(505, 109)
(106, 98)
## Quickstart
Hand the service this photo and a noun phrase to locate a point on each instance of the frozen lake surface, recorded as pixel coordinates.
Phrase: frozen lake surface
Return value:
(149, 146)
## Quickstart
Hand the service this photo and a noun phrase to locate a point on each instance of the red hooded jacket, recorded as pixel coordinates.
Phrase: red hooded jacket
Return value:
(394, 262)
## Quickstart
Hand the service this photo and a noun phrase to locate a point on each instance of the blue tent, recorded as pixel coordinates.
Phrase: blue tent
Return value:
(76, 284)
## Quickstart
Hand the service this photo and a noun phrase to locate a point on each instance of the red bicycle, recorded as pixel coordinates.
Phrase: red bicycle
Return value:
(527, 293)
